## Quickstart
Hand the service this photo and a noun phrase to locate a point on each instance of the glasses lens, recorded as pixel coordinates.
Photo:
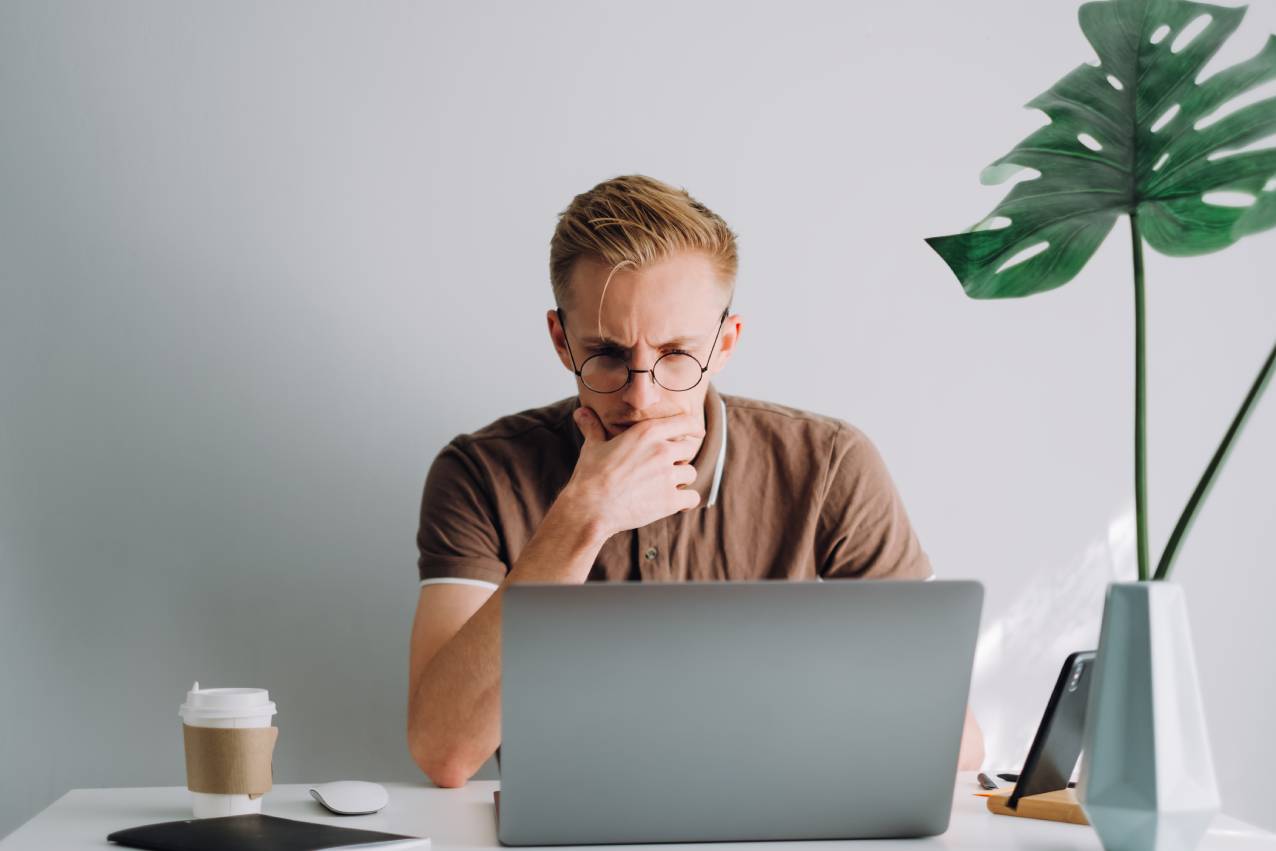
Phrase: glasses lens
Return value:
(604, 373)
(676, 371)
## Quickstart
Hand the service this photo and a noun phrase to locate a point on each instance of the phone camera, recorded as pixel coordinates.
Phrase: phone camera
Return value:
(1075, 680)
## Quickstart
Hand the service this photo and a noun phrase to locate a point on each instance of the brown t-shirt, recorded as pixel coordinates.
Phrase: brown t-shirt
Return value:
(785, 494)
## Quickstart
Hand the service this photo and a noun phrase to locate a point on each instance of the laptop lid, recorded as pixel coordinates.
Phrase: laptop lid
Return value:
(711, 711)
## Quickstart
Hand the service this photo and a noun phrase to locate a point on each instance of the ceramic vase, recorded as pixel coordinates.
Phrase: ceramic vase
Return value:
(1147, 777)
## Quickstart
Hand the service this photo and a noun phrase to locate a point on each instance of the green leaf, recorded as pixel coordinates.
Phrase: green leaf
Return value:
(1259, 217)
(1128, 135)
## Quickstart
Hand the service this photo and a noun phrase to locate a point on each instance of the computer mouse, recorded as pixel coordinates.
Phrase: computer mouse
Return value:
(351, 797)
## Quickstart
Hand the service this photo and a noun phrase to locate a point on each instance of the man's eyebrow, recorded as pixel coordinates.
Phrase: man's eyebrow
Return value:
(608, 342)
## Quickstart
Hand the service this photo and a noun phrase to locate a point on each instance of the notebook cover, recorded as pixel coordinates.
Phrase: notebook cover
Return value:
(249, 833)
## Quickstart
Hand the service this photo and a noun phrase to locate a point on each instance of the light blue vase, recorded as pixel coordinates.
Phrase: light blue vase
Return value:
(1147, 777)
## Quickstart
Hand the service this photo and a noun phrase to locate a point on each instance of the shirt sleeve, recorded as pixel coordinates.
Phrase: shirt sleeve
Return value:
(457, 539)
(863, 530)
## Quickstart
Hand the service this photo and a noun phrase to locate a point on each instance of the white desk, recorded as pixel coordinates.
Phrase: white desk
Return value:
(465, 818)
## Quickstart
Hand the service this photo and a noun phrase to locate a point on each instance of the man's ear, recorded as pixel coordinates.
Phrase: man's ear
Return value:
(558, 339)
(727, 342)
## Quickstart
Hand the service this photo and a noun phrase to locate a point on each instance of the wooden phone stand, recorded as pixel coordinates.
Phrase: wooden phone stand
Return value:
(1060, 805)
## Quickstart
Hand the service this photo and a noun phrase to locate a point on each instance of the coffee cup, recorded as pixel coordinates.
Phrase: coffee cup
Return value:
(229, 745)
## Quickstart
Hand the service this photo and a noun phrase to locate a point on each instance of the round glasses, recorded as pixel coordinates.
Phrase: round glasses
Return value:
(609, 373)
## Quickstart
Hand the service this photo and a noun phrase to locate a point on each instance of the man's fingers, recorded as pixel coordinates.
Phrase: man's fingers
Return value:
(589, 425)
(669, 428)
(691, 498)
(678, 451)
(684, 474)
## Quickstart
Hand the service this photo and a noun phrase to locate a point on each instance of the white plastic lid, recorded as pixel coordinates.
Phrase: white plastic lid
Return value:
(226, 703)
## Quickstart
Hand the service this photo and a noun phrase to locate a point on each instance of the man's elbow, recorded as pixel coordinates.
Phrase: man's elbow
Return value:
(447, 775)
(446, 768)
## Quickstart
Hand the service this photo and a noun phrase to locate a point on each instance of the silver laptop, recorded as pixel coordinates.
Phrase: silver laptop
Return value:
(707, 711)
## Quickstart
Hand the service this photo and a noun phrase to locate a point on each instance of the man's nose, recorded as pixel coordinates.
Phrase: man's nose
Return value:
(641, 391)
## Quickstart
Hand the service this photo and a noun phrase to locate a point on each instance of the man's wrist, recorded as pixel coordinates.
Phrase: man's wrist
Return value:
(564, 547)
(578, 518)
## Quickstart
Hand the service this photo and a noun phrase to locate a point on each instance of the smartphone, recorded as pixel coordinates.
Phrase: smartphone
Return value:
(1057, 745)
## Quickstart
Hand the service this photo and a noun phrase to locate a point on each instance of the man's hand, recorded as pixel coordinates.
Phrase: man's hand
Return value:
(637, 477)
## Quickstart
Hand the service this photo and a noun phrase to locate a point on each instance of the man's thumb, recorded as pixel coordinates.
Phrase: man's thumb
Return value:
(589, 425)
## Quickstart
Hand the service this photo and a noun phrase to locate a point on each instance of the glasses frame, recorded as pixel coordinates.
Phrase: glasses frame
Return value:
(704, 367)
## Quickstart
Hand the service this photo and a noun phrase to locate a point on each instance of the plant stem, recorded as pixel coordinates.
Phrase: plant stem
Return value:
(1216, 464)
(1140, 402)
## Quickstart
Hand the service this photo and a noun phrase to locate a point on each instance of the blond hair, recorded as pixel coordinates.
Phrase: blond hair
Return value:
(635, 220)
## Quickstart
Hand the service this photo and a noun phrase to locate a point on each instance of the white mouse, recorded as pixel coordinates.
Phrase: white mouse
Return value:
(351, 797)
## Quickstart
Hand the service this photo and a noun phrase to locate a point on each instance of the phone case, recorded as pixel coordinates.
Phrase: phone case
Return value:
(1057, 745)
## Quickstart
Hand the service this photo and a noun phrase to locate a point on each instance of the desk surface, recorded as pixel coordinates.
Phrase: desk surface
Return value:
(465, 818)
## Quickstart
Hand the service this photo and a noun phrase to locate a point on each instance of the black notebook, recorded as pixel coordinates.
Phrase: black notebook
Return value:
(257, 833)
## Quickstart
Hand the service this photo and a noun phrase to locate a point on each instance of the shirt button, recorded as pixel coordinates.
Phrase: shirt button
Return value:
(650, 554)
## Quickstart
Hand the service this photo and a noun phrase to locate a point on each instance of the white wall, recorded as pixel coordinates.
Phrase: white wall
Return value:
(258, 262)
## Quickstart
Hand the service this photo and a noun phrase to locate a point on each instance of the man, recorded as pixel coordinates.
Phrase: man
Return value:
(647, 474)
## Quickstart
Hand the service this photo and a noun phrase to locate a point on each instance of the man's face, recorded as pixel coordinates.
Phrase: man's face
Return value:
(673, 305)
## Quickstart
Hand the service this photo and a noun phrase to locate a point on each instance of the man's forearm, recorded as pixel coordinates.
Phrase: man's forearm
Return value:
(971, 756)
(455, 721)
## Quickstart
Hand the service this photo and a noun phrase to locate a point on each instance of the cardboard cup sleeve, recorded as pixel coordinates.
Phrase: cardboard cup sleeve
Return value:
(229, 760)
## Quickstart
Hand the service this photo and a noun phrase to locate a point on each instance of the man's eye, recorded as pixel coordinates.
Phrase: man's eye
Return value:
(621, 355)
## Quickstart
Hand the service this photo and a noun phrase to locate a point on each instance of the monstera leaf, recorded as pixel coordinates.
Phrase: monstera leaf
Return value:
(1140, 133)
(1261, 216)
(1137, 134)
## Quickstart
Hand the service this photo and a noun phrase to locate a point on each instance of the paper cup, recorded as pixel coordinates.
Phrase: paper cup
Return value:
(226, 708)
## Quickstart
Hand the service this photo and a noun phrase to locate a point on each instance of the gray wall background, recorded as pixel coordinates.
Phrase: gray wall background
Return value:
(258, 262)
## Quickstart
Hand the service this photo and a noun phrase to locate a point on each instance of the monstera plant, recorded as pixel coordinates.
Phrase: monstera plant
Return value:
(1138, 133)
